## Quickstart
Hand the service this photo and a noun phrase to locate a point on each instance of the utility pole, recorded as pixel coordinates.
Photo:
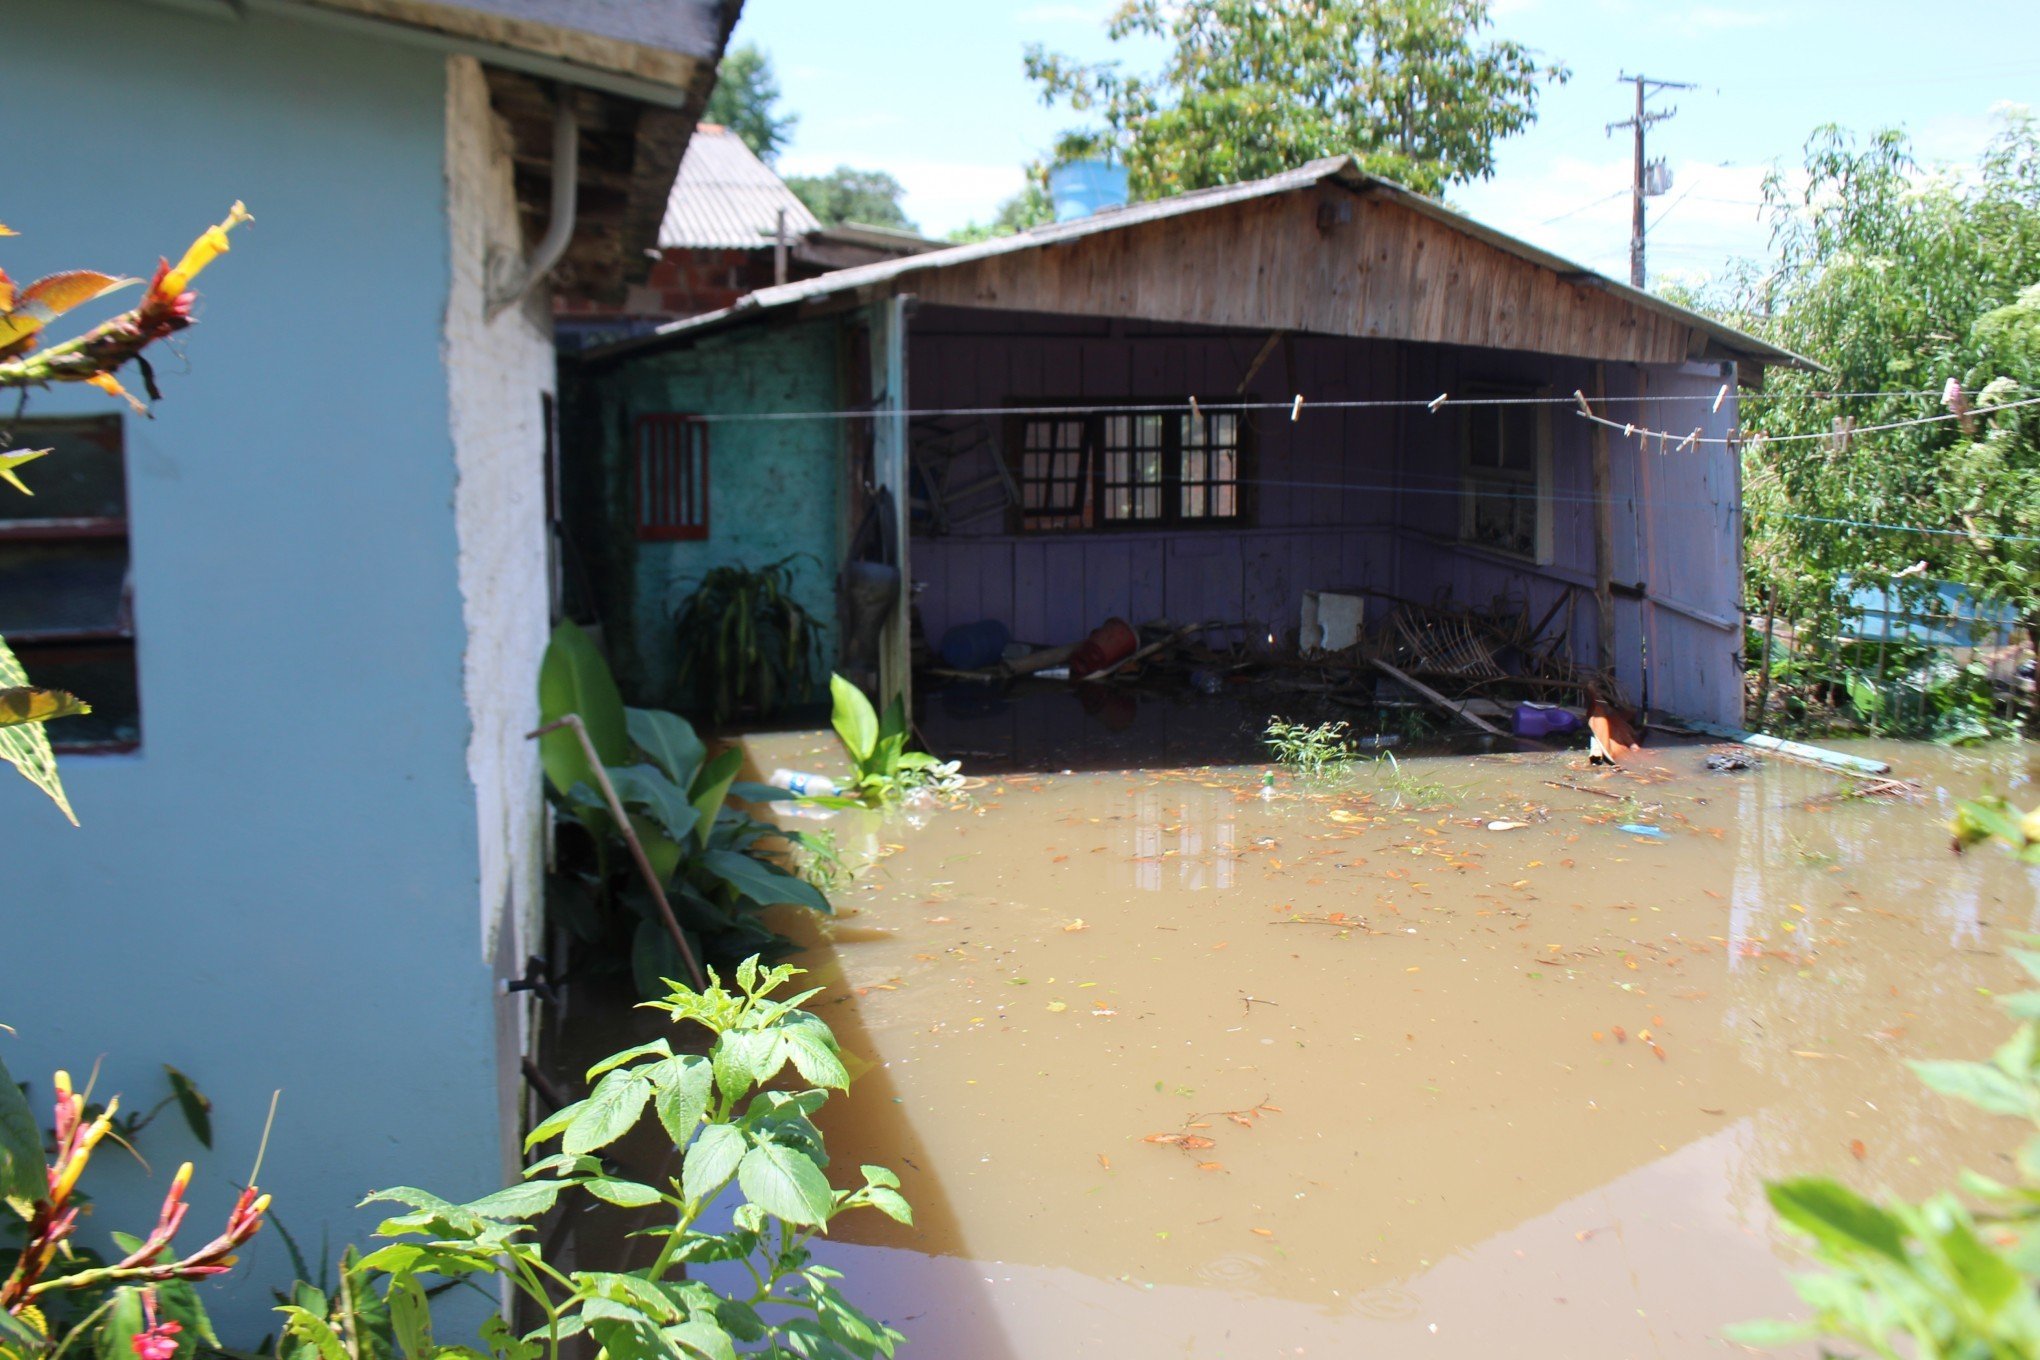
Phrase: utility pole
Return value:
(1641, 185)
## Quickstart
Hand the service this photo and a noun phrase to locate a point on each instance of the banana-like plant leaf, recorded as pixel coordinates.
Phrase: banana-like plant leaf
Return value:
(762, 883)
(26, 746)
(712, 786)
(670, 741)
(854, 719)
(575, 679)
(643, 787)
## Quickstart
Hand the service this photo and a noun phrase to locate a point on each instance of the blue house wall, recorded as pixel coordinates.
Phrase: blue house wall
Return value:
(278, 889)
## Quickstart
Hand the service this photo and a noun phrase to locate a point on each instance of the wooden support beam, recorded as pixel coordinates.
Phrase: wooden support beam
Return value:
(1267, 348)
(1437, 700)
(1604, 531)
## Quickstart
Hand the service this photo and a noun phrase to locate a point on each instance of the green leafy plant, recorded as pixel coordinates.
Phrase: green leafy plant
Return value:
(1407, 790)
(1306, 749)
(718, 868)
(886, 771)
(733, 1120)
(1938, 1280)
(747, 645)
(1993, 818)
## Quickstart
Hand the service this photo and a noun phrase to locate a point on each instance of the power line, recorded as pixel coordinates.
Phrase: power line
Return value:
(1639, 185)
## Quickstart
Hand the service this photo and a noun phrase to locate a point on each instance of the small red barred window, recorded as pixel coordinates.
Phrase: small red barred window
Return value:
(671, 488)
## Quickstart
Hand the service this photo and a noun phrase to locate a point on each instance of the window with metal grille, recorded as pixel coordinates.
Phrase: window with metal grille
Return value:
(671, 486)
(1143, 469)
(66, 600)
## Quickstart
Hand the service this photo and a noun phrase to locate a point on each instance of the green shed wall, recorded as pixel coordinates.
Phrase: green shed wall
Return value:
(774, 485)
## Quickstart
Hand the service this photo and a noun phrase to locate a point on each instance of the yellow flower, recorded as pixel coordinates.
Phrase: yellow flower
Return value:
(210, 245)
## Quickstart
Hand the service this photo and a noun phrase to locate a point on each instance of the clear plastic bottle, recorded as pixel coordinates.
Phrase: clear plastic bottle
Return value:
(803, 784)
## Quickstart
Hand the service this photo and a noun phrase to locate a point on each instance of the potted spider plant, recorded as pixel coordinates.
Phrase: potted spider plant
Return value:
(748, 647)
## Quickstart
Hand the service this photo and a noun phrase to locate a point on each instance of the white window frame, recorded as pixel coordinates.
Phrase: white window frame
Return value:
(1473, 480)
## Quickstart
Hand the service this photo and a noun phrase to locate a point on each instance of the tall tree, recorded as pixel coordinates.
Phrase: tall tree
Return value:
(847, 194)
(1251, 88)
(1898, 279)
(746, 100)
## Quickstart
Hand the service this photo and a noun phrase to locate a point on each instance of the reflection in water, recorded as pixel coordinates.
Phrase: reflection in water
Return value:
(1521, 1088)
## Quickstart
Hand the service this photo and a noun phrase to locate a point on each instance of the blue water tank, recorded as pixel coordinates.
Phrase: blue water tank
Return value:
(1080, 188)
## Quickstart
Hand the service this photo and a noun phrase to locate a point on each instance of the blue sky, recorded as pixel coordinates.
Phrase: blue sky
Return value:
(932, 91)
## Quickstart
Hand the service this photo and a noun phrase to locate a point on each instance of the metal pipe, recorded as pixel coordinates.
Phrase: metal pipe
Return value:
(559, 229)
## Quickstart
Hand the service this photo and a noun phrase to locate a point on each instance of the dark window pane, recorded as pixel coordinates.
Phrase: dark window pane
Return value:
(82, 478)
(63, 586)
(100, 673)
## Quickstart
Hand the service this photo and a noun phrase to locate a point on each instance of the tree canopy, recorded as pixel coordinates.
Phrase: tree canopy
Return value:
(1030, 207)
(1899, 279)
(746, 99)
(847, 194)
(1250, 89)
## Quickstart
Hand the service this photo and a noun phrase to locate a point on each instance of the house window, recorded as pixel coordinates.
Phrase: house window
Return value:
(670, 490)
(1505, 475)
(1132, 470)
(66, 601)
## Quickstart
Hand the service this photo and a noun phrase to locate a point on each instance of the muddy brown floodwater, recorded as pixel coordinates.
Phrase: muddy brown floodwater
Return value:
(1169, 1068)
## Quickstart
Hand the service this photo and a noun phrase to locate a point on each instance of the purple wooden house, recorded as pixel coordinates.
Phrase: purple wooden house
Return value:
(1197, 408)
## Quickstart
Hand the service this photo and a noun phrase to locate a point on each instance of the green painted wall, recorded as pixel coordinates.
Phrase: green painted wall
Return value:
(773, 484)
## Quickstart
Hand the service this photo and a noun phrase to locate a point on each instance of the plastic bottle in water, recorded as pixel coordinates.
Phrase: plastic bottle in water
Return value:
(1267, 786)
(804, 785)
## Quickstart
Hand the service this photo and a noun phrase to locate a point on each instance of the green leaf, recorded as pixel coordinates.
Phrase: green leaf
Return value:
(681, 1094)
(785, 1184)
(1986, 1277)
(712, 787)
(410, 1317)
(751, 792)
(625, 1194)
(813, 1050)
(880, 1175)
(762, 883)
(1980, 1084)
(615, 1060)
(1837, 1216)
(703, 1338)
(853, 718)
(527, 1199)
(575, 679)
(711, 1162)
(23, 1173)
(670, 740)
(611, 1110)
(553, 1124)
(891, 1203)
(644, 786)
(298, 1324)
(192, 1103)
(27, 746)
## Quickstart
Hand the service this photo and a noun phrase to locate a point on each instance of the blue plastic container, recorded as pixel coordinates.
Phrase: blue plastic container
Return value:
(973, 646)
(1543, 720)
(1081, 188)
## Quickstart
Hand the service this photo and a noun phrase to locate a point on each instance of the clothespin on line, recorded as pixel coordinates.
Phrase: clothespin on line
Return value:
(1437, 401)
(1688, 441)
(1720, 397)
(1296, 407)
(1581, 398)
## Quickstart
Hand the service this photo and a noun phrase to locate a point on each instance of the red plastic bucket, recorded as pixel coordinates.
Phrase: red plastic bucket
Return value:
(1111, 641)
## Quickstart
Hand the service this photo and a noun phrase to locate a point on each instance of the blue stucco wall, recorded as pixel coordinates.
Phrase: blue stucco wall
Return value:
(774, 486)
(279, 888)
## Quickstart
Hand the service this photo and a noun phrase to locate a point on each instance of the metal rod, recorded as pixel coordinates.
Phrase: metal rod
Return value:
(637, 850)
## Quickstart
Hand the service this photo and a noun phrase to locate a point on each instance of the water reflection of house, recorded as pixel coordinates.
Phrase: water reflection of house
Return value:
(1100, 417)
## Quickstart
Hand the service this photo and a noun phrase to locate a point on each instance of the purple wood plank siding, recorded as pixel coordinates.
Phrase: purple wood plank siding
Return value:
(1356, 497)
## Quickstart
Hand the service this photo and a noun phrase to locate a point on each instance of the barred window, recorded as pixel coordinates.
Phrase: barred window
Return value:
(1505, 476)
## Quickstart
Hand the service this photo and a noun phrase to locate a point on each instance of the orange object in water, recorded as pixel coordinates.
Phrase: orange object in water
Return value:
(1111, 641)
(1614, 738)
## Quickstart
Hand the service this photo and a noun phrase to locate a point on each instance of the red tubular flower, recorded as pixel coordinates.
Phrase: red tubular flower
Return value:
(157, 1341)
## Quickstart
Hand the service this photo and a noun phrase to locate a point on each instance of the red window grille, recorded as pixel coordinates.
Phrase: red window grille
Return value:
(672, 478)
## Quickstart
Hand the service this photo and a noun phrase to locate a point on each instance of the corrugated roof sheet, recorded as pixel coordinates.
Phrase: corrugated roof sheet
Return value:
(725, 198)
(1344, 168)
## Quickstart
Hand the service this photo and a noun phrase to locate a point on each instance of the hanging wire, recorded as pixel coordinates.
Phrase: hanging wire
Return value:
(1311, 404)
